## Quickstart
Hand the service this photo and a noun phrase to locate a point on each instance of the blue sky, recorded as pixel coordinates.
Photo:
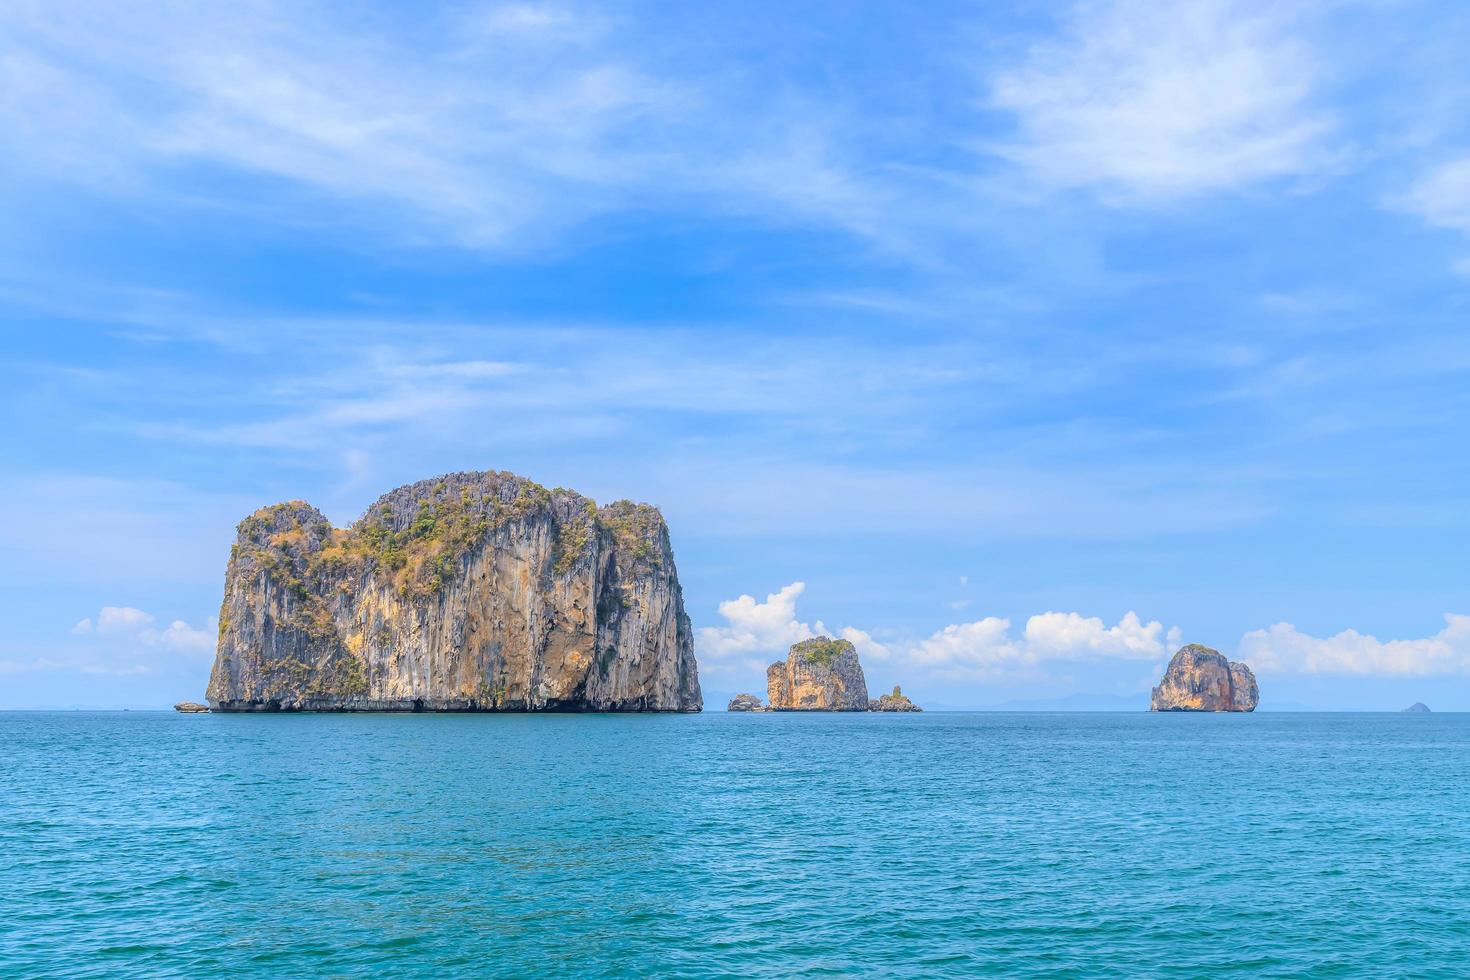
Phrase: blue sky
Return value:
(1019, 342)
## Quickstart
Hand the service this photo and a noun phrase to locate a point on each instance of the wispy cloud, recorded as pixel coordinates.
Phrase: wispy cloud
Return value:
(1144, 101)
(508, 115)
(1441, 195)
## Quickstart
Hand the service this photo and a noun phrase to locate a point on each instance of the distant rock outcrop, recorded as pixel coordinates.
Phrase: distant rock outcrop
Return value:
(1201, 679)
(897, 701)
(1417, 708)
(194, 707)
(469, 592)
(745, 702)
(820, 674)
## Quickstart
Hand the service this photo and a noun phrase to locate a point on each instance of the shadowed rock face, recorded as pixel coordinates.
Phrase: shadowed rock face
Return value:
(469, 592)
(821, 674)
(1201, 679)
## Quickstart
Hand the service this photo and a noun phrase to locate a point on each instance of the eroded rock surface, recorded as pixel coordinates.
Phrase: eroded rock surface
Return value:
(1201, 679)
(469, 592)
(745, 702)
(820, 674)
(897, 701)
(191, 707)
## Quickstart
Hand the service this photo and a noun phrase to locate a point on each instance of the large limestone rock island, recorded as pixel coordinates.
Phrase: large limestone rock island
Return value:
(820, 674)
(1201, 679)
(469, 592)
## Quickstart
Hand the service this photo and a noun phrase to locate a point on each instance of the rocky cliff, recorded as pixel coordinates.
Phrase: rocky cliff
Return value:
(470, 592)
(821, 674)
(1201, 679)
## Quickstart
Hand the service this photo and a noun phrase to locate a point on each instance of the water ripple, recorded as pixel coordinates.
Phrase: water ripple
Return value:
(145, 844)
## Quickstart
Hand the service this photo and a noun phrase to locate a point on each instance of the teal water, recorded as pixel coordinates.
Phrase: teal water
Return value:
(155, 844)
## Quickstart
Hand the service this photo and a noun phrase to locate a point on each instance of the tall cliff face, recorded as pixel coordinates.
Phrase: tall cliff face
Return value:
(473, 591)
(1201, 679)
(821, 674)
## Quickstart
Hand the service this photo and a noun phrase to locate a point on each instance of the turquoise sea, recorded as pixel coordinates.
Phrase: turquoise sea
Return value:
(155, 845)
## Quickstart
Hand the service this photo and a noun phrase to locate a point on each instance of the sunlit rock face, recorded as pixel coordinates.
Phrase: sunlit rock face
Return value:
(468, 592)
(820, 674)
(1201, 679)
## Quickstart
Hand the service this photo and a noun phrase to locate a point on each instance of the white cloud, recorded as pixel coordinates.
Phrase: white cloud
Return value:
(756, 627)
(768, 628)
(1283, 648)
(1140, 99)
(183, 637)
(118, 620)
(1074, 637)
(513, 117)
(988, 644)
(982, 643)
(1441, 196)
(494, 126)
(135, 628)
(866, 646)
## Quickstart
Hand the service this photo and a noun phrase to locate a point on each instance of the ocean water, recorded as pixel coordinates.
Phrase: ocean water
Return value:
(155, 844)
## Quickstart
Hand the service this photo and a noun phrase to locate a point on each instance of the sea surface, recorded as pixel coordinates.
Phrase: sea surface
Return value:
(157, 845)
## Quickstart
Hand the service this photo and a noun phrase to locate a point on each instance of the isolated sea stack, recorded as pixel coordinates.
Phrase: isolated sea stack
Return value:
(820, 674)
(897, 701)
(1201, 679)
(745, 702)
(469, 592)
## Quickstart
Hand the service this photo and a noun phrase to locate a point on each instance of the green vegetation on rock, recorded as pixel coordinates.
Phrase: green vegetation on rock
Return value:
(821, 651)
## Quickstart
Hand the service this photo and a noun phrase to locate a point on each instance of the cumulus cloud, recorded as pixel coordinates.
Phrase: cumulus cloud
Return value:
(988, 644)
(181, 636)
(768, 628)
(753, 626)
(119, 620)
(1284, 648)
(136, 628)
(866, 646)
(1147, 100)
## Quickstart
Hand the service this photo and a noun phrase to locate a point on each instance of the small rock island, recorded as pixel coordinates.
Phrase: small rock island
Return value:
(897, 701)
(820, 674)
(1201, 679)
(191, 708)
(1417, 708)
(468, 592)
